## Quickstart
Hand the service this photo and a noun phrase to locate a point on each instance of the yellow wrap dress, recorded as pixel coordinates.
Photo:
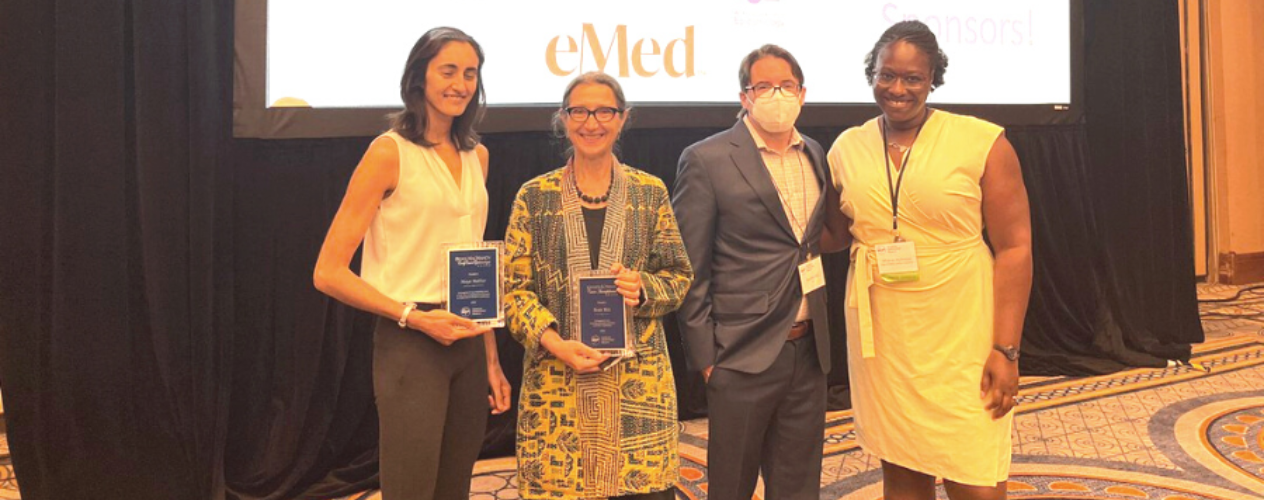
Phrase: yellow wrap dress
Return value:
(916, 350)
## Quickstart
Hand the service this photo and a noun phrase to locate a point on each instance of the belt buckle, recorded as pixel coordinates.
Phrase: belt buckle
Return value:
(800, 327)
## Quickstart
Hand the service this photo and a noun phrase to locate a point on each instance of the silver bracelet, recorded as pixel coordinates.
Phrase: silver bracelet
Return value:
(403, 318)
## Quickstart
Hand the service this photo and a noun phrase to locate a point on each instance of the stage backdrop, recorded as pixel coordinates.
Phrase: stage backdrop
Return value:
(159, 334)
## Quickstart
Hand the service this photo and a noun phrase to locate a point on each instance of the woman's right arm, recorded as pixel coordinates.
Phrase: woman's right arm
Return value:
(374, 179)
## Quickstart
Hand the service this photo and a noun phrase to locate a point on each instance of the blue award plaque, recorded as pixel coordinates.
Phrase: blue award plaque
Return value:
(474, 280)
(602, 315)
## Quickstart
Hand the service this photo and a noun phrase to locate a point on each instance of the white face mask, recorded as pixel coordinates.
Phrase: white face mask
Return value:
(775, 112)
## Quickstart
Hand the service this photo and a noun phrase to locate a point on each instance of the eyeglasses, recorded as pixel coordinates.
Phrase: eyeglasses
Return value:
(787, 88)
(914, 82)
(581, 114)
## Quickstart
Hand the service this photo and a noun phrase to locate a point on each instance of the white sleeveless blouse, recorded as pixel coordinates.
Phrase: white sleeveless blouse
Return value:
(403, 248)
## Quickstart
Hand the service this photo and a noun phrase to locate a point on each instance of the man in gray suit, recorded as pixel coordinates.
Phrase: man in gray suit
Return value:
(752, 205)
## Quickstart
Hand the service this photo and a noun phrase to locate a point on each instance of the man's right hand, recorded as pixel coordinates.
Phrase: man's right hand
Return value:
(446, 328)
(706, 374)
(575, 354)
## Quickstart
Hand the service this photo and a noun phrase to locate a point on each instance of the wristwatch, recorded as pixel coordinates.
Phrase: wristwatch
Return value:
(1010, 352)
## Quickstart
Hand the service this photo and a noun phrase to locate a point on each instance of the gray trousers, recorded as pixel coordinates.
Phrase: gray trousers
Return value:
(432, 412)
(668, 494)
(771, 422)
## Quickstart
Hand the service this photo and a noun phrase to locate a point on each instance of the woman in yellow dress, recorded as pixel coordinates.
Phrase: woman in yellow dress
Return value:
(934, 317)
(588, 429)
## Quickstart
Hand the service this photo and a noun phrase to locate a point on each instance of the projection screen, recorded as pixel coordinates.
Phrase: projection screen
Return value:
(319, 68)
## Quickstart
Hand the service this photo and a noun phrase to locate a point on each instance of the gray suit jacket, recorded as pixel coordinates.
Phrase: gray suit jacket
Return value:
(745, 257)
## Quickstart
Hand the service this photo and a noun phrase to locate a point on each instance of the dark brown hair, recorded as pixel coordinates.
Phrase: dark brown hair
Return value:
(412, 121)
(917, 34)
(768, 50)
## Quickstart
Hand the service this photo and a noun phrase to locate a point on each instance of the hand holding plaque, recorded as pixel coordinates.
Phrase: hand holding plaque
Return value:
(573, 353)
(473, 285)
(629, 284)
(602, 315)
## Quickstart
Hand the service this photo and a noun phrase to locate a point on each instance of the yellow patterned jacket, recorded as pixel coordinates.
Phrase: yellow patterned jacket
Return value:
(615, 432)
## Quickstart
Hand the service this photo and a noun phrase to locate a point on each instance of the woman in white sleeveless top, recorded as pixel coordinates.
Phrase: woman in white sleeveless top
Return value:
(419, 186)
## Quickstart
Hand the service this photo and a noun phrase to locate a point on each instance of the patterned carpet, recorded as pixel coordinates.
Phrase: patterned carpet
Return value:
(8, 483)
(1180, 433)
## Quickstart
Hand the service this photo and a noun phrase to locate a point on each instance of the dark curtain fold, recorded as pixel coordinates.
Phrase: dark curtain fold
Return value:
(302, 402)
(1077, 319)
(1114, 263)
(160, 336)
(117, 300)
(1135, 132)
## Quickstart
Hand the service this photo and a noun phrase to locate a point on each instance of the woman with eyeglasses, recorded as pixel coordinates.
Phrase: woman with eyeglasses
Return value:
(934, 316)
(589, 425)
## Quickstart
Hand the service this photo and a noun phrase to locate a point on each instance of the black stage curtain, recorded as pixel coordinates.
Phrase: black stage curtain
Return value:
(1113, 236)
(117, 296)
(159, 335)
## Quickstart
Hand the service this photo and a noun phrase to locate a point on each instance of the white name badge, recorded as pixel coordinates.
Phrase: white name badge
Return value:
(811, 275)
(897, 262)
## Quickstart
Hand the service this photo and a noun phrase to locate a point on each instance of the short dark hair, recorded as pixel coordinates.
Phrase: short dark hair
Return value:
(412, 121)
(597, 78)
(917, 34)
(768, 50)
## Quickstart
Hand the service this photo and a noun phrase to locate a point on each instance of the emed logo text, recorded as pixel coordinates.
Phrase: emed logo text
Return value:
(647, 57)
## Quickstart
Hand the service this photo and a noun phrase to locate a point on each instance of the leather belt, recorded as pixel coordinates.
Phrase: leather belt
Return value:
(799, 330)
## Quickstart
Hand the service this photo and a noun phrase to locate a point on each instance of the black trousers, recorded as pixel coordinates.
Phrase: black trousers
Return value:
(771, 422)
(432, 412)
(668, 494)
